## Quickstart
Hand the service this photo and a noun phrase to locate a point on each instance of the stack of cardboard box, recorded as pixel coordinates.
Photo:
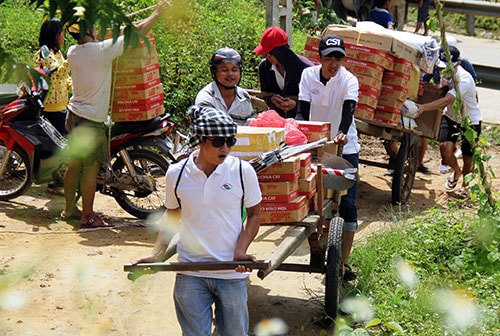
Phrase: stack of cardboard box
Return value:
(137, 92)
(288, 190)
(386, 68)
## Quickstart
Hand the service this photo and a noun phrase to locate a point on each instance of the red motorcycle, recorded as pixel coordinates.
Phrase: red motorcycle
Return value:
(32, 150)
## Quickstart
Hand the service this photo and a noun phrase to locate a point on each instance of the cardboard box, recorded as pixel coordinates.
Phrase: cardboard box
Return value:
(313, 56)
(330, 147)
(139, 102)
(126, 95)
(387, 108)
(394, 92)
(124, 63)
(364, 112)
(387, 117)
(128, 79)
(309, 195)
(254, 141)
(390, 102)
(312, 44)
(140, 86)
(287, 216)
(429, 123)
(279, 187)
(395, 78)
(287, 166)
(402, 65)
(136, 70)
(369, 54)
(308, 184)
(138, 115)
(413, 83)
(305, 164)
(369, 81)
(349, 34)
(295, 204)
(364, 68)
(280, 198)
(368, 95)
(137, 108)
(278, 177)
(315, 130)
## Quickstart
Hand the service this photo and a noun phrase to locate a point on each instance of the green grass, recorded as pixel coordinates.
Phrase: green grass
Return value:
(451, 263)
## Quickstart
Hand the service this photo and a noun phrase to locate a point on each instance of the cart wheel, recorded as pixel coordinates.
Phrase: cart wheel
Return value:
(334, 271)
(405, 169)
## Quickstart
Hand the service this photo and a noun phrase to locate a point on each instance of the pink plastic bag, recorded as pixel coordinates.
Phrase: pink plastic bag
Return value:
(271, 118)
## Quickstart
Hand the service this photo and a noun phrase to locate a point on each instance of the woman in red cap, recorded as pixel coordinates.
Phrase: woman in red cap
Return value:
(280, 71)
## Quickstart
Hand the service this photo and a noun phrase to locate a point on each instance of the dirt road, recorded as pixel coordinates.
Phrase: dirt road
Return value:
(58, 280)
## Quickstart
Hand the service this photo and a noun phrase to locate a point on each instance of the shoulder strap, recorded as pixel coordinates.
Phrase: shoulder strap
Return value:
(242, 187)
(178, 180)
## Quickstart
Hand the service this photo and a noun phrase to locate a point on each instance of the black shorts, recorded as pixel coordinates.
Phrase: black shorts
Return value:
(451, 130)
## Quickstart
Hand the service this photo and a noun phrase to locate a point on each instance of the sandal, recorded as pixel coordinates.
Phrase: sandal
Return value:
(451, 183)
(349, 274)
(463, 193)
(95, 222)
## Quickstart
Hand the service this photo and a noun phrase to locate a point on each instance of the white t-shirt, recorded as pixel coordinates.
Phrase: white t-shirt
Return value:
(211, 211)
(240, 110)
(468, 91)
(327, 100)
(91, 65)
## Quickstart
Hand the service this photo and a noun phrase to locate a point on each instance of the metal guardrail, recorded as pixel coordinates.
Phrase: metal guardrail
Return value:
(471, 7)
(488, 76)
(468, 7)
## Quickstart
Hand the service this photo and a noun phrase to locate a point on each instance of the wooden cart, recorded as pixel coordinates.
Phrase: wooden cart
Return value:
(406, 159)
(322, 230)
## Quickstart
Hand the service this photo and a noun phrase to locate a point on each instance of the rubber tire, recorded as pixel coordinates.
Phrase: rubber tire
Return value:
(27, 175)
(125, 200)
(405, 168)
(334, 267)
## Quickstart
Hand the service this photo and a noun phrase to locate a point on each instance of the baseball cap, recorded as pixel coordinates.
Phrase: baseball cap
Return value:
(271, 38)
(331, 43)
(454, 54)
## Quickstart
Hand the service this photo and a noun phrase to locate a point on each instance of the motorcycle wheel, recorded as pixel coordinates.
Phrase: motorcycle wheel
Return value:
(142, 204)
(17, 176)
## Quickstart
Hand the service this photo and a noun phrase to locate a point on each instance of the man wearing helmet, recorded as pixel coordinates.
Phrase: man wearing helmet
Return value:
(210, 188)
(90, 62)
(224, 93)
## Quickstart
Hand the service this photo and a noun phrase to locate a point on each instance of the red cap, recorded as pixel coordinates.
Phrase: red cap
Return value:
(271, 38)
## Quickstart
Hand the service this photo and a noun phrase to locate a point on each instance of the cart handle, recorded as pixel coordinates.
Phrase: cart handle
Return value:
(149, 268)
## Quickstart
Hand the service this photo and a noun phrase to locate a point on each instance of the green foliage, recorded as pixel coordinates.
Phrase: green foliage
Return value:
(451, 251)
(307, 19)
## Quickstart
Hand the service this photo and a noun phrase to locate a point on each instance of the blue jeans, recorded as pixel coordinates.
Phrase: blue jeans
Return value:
(348, 209)
(194, 296)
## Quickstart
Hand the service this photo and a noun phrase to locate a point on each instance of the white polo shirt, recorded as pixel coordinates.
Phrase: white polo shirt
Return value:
(468, 91)
(211, 211)
(327, 100)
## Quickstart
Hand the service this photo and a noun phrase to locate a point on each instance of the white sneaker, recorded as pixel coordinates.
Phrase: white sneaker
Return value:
(443, 169)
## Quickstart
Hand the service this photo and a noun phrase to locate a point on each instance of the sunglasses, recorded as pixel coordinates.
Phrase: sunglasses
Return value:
(218, 142)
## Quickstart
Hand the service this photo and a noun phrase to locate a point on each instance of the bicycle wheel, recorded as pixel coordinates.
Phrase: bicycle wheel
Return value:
(17, 176)
(144, 198)
(334, 266)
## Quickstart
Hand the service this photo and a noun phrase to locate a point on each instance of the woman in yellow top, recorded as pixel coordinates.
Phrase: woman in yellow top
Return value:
(56, 102)
(52, 35)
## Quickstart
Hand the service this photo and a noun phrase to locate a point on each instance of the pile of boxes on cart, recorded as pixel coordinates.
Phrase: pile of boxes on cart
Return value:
(289, 187)
(388, 68)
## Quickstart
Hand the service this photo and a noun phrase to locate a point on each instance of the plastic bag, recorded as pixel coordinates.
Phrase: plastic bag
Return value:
(271, 118)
